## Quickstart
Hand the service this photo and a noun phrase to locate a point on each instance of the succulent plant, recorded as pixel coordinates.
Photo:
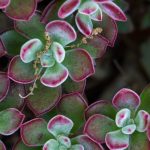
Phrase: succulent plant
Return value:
(128, 124)
(46, 64)
(90, 10)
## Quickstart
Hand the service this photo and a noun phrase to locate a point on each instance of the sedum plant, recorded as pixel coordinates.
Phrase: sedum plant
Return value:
(49, 53)
(121, 129)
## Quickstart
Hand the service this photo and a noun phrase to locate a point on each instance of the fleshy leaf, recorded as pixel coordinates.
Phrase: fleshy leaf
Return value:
(77, 147)
(34, 132)
(51, 145)
(96, 46)
(139, 141)
(73, 105)
(81, 69)
(84, 24)
(141, 121)
(4, 85)
(116, 140)
(12, 41)
(42, 104)
(88, 8)
(65, 141)
(20, 72)
(126, 98)
(97, 126)
(21, 10)
(13, 100)
(29, 50)
(60, 125)
(97, 16)
(61, 32)
(70, 86)
(112, 10)
(68, 7)
(4, 3)
(2, 49)
(122, 117)
(19, 145)
(47, 60)
(109, 27)
(129, 129)
(54, 76)
(58, 52)
(2, 146)
(11, 120)
(102, 107)
(32, 28)
(87, 142)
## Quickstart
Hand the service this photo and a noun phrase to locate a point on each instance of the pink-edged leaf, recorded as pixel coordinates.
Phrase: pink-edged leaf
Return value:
(20, 72)
(13, 100)
(10, 121)
(148, 131)
(32, 28)
(58, 52)
(97, 126)
(88, 8)
(47, 60)
(4, 3)
(65, 141)
(110, 29)
(2, 146)
(2, 48)
(48, 14)
(142, 121)
(70, 86)
(19, 145)
(87, 142)
(96, 46)
(84, 24)
(73, 105)
(97, 16)
(54, 76)
(29, 50)
(103, 107)
(42, 104)
(112, 10)
(116, 140)
(51, 145)
(4, 85)
(61, 32)
(21, 10)
(60, 125)
(81, 69)
(12, 41)
(34, 132)
(68, 7)
(126, 98)
(77, 147)
(129, 129)
(122, 117)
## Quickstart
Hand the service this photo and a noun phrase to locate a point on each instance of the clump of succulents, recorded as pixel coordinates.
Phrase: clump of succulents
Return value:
(49, 55)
